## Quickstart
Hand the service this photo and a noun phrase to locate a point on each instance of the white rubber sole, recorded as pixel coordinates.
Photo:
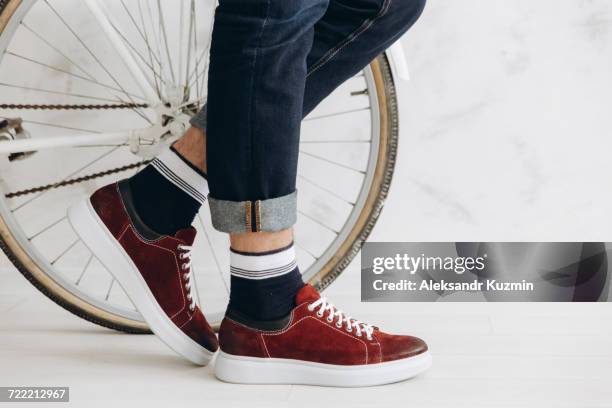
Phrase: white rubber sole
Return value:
(253, 370)
(111, 254)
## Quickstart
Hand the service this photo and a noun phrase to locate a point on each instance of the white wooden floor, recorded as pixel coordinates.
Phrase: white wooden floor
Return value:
(485, 355)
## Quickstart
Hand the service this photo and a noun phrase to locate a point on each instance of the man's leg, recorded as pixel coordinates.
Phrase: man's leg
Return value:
(347, 38)
(258, 69)
(276, 329)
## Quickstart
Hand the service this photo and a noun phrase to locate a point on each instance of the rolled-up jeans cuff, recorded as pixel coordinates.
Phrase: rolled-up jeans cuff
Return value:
(200, 120)
(234, 217)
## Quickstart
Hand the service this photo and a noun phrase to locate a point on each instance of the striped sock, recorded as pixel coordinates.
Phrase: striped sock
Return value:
(264, 285)
(182, 174)
(169, 192)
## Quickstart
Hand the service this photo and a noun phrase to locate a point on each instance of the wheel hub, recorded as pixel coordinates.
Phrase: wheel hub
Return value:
(171, 122)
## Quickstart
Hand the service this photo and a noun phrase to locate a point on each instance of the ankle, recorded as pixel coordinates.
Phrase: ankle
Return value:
(192, 147)
(261, 242)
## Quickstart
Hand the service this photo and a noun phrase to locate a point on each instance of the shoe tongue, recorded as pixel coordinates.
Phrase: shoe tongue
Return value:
(307, 294)
(187, 235)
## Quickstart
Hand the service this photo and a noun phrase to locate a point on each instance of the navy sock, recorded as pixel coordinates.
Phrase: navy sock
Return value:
(169, 192)
(264, 285)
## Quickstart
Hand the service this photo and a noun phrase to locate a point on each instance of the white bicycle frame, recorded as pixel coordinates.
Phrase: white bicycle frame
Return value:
(144, 82)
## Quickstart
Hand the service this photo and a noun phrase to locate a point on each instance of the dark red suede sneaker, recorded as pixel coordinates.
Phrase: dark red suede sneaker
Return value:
(154, 270)
(315, 345)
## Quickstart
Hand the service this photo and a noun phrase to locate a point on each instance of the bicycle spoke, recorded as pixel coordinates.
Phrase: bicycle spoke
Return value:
(297, 244)
(72, 74)
(65, 251)
(110, 287)
(205, 68)
(47, 228)
(84, 270)
(156, 39)
(344, 166)
(141, 32)
(201, 74)
(198, 74)
(179, 82)
(164, 35)
(34, 122)
(190, 37)
(76, 36)
(150, 51)
(195, 71)
(41, 38)
(310, 217)
(134, 50)
(195, 49)
(94, 56)
(27, 88)
(331, 115)
(330, 192)
(129, 44)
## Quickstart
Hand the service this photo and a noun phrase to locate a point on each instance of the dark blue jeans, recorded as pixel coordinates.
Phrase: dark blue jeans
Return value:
(272, 62)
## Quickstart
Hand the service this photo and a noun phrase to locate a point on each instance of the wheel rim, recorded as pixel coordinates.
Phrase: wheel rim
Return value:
(312, 261)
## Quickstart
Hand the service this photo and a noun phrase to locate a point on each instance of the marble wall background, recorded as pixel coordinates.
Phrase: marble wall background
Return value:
(507, 124)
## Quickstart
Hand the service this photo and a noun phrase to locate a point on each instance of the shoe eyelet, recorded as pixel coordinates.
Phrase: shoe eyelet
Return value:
(349, 330)
(339, 325)
(358, 334)
(330, 320)
(320, 315)
(188, 296)
(369, 338)
(310, 308)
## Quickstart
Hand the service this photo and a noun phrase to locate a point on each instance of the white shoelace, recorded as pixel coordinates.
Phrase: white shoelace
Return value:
(187, 273)
(348, 322)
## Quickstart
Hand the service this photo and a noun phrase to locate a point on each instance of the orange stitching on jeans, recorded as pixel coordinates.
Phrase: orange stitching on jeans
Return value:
(258, 215)
(247, 210)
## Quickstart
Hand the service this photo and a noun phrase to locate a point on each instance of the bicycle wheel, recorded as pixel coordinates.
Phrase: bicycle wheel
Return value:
(61, 77)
